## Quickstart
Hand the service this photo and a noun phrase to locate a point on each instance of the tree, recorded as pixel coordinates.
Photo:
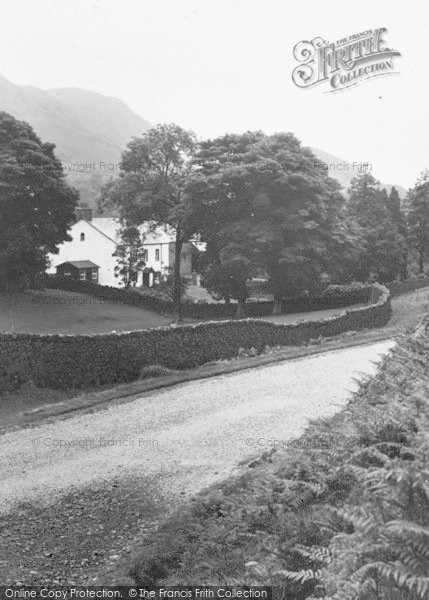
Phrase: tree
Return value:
(399, 218)
(131, 256)
(36, 204)
(418, 218)
(379, 228)
(156, 185)
(228, 266)
(228, 221)
(166, 287)
(285, 208)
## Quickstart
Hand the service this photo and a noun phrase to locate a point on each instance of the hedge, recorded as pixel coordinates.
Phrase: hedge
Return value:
(79, 361)
(401, 287)
(132, 297)
(334, 297)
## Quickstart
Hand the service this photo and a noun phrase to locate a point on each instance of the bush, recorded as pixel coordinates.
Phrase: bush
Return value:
(401, 287)
(353, 293)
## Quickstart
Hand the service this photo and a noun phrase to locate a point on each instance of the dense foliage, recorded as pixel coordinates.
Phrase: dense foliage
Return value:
(418, 219)
(381, 230)
(270, 208)
(36, 204)
(265, 206)
(157, 185)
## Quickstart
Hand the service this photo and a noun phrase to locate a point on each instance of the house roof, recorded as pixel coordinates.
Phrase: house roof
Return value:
(111, 228)
(80, 264)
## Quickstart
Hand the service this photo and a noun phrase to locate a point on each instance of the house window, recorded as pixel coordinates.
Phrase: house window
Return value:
(67, 274)
(145, 255)
(157, 254)
(82, 237)
(94, 274)
(82, 276)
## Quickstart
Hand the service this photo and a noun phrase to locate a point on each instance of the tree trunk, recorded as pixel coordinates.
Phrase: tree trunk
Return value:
(240, 309)
(404, 267)
(421, 265)
(277, 306)
(421, 246)
(177, 278)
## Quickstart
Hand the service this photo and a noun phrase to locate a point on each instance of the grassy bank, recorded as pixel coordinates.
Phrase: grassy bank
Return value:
(341, 513)
(57, 311)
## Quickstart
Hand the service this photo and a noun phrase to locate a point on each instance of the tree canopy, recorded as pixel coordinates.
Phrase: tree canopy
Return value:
(418, 219)
(271, 207)
(380, 227)
(157, 185)
(36, 204)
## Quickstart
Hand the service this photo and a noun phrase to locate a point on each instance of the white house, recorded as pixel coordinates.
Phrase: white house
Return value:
(89, 254)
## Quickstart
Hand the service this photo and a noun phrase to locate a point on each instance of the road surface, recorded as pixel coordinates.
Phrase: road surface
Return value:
(76, 492)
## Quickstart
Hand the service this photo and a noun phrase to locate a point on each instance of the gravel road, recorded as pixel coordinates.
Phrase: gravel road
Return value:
(77, 494)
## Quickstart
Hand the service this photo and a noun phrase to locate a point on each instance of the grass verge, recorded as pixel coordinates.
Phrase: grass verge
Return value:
(342, 512)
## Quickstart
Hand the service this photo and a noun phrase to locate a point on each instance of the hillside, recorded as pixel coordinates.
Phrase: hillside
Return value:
(86, 127)
(344, 171)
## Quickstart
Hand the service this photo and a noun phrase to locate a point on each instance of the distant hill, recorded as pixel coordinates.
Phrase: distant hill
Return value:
(85, 126)
(344, 171)
(90, 132)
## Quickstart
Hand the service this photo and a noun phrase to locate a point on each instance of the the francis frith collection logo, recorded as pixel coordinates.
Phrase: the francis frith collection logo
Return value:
(344, 63)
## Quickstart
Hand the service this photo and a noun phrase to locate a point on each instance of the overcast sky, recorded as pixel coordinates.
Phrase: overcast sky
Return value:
(225, 66)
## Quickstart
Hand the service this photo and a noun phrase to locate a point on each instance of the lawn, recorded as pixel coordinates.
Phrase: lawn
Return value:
(57, 311)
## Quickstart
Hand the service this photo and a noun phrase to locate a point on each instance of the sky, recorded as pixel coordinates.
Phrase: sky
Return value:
(217, 66)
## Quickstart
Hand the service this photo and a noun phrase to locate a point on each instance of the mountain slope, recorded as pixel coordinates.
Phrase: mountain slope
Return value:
(344, 171)
(85, 126)
(90, 132)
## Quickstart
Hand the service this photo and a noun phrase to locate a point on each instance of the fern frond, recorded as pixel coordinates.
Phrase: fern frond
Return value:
(315, 553)
(407, 529)
(300, 576)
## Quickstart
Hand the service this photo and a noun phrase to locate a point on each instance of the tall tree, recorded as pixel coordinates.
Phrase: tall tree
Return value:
(400, 220)
(380, 231)
(36, 204)
(130, 255)
(418, 218)
(283, 202)
(228, 262)
(155, 186)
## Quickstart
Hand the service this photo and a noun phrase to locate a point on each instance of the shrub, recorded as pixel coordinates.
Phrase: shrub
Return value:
(401, 287)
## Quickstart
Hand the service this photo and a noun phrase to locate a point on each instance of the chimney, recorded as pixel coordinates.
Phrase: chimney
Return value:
(83, 212)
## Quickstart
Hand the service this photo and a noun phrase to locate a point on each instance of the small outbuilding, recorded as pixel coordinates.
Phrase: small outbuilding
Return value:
(83, 270)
